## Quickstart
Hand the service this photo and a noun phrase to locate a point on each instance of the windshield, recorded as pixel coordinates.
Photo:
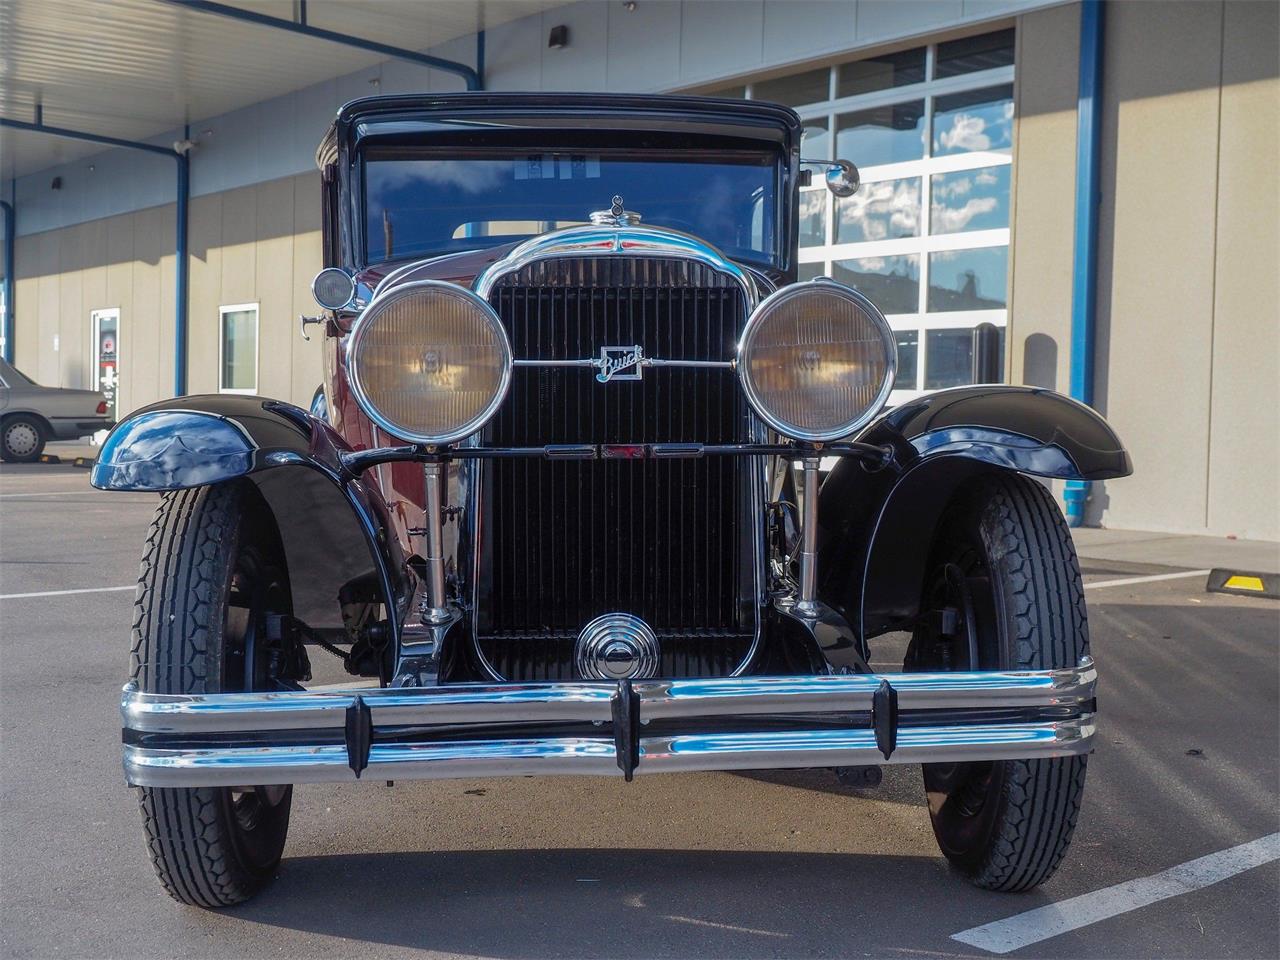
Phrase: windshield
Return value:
(417, 207)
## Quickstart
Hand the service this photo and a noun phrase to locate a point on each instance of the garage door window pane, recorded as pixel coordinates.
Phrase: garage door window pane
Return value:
(971, 54)
(950, 362)
(881, 73)
(887, 210)
(797, 89)
(891, 283)
(890, 134)
(815, 144)
(968, 279)
(973, 120)
(239, 350)
(908, 353)
(970, 200)
(813, 217)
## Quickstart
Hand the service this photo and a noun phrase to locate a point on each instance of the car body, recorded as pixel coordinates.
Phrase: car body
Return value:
(565, 498)
(31, 415)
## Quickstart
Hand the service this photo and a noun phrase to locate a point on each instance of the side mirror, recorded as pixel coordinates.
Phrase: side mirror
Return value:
(843, 179)
(842, 176)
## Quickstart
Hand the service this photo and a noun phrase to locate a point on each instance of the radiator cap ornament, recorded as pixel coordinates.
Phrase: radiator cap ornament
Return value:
(617, 646)
(616, 216)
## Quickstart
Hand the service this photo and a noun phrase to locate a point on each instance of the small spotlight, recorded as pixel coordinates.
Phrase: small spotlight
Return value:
(559, 37)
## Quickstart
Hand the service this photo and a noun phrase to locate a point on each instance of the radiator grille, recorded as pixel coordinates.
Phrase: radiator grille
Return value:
(565, 541)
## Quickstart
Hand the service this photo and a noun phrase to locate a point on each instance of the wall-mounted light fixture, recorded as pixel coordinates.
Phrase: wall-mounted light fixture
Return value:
(558, 39)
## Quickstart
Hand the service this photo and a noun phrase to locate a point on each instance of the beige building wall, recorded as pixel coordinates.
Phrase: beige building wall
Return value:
(257, 244)
(1042, 205)
(1244, 438)
(1188, 332)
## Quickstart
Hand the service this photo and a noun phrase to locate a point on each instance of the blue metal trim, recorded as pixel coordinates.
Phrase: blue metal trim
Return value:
(180, 243)
(10, 234)
(1084, 283)
(40, 127)
(471, 76)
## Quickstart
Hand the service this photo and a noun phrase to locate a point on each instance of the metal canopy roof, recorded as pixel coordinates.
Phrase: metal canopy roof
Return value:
(138, 68)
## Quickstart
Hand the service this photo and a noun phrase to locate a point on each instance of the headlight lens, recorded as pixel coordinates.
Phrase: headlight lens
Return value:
(333, 289)
(429, 362)
(817, 360)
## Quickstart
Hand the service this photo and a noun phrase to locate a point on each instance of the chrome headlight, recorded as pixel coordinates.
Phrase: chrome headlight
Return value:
(429, 362)
(817, 360)
(333, 288)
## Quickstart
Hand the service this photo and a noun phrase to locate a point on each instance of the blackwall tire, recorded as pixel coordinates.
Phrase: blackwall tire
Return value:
(206, 549)
(22, 439)
(1006, 825)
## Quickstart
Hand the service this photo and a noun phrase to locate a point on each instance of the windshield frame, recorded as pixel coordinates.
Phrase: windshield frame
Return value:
(605, 118)
(764, 159)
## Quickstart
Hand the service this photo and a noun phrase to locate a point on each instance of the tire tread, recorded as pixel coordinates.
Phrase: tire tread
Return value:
(1043, 598)
(173, 650)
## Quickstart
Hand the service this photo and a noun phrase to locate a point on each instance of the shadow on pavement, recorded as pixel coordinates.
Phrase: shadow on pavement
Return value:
(622, 903)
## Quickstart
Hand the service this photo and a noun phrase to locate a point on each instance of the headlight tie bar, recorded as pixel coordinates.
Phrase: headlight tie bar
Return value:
(873, 456)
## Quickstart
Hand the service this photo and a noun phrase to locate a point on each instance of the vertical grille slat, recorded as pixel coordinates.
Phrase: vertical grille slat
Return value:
(565, 541)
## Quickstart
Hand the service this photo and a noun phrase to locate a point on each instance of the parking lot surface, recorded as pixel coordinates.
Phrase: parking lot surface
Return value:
(775, 864)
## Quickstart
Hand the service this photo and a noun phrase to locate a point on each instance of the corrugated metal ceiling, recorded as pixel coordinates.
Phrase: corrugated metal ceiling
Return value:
(138, 68)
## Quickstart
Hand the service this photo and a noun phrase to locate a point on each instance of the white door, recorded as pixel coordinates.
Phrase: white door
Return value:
(105, 350)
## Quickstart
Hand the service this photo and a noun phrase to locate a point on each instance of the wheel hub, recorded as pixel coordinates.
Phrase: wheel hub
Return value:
(21, 439)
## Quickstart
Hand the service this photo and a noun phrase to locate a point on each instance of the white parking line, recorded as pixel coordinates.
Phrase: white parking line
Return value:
(1004, 936)
(63, 593)
(1098, 584)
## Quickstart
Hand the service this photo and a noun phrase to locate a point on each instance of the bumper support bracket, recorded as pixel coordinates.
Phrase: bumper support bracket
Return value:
(358, 733)
(884, 718)
(625, 706)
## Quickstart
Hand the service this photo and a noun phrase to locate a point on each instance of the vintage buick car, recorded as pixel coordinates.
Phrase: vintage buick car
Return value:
(568, 504)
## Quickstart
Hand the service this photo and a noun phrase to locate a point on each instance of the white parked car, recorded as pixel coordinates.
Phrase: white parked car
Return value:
(32, 415)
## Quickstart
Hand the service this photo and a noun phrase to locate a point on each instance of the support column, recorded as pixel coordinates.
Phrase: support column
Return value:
(1084, 287)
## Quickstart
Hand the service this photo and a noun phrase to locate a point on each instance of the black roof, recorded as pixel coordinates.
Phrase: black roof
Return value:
(604, 111)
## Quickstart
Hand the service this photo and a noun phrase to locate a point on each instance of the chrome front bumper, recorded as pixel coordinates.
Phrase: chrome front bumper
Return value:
(603, 728)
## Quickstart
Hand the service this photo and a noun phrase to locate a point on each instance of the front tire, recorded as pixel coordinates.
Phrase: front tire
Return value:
(211, 570)
(22, 439)
(1005, 560)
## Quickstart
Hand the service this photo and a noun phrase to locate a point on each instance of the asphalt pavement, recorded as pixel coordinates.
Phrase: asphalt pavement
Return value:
(773, 864)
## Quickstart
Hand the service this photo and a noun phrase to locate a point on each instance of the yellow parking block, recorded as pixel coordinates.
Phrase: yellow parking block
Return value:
(1238, 582)
(1244, 583)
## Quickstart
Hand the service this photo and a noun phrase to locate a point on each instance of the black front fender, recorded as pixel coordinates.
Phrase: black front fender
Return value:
(334, 525)
(877, 528)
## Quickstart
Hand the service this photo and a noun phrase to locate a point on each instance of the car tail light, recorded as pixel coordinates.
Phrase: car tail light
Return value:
(101, 407)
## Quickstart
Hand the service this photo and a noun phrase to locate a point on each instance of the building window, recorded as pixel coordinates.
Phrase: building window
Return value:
(927, 236)
(238, 348)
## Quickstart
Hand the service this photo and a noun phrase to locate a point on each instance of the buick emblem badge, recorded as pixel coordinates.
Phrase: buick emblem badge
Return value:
(615, 361)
